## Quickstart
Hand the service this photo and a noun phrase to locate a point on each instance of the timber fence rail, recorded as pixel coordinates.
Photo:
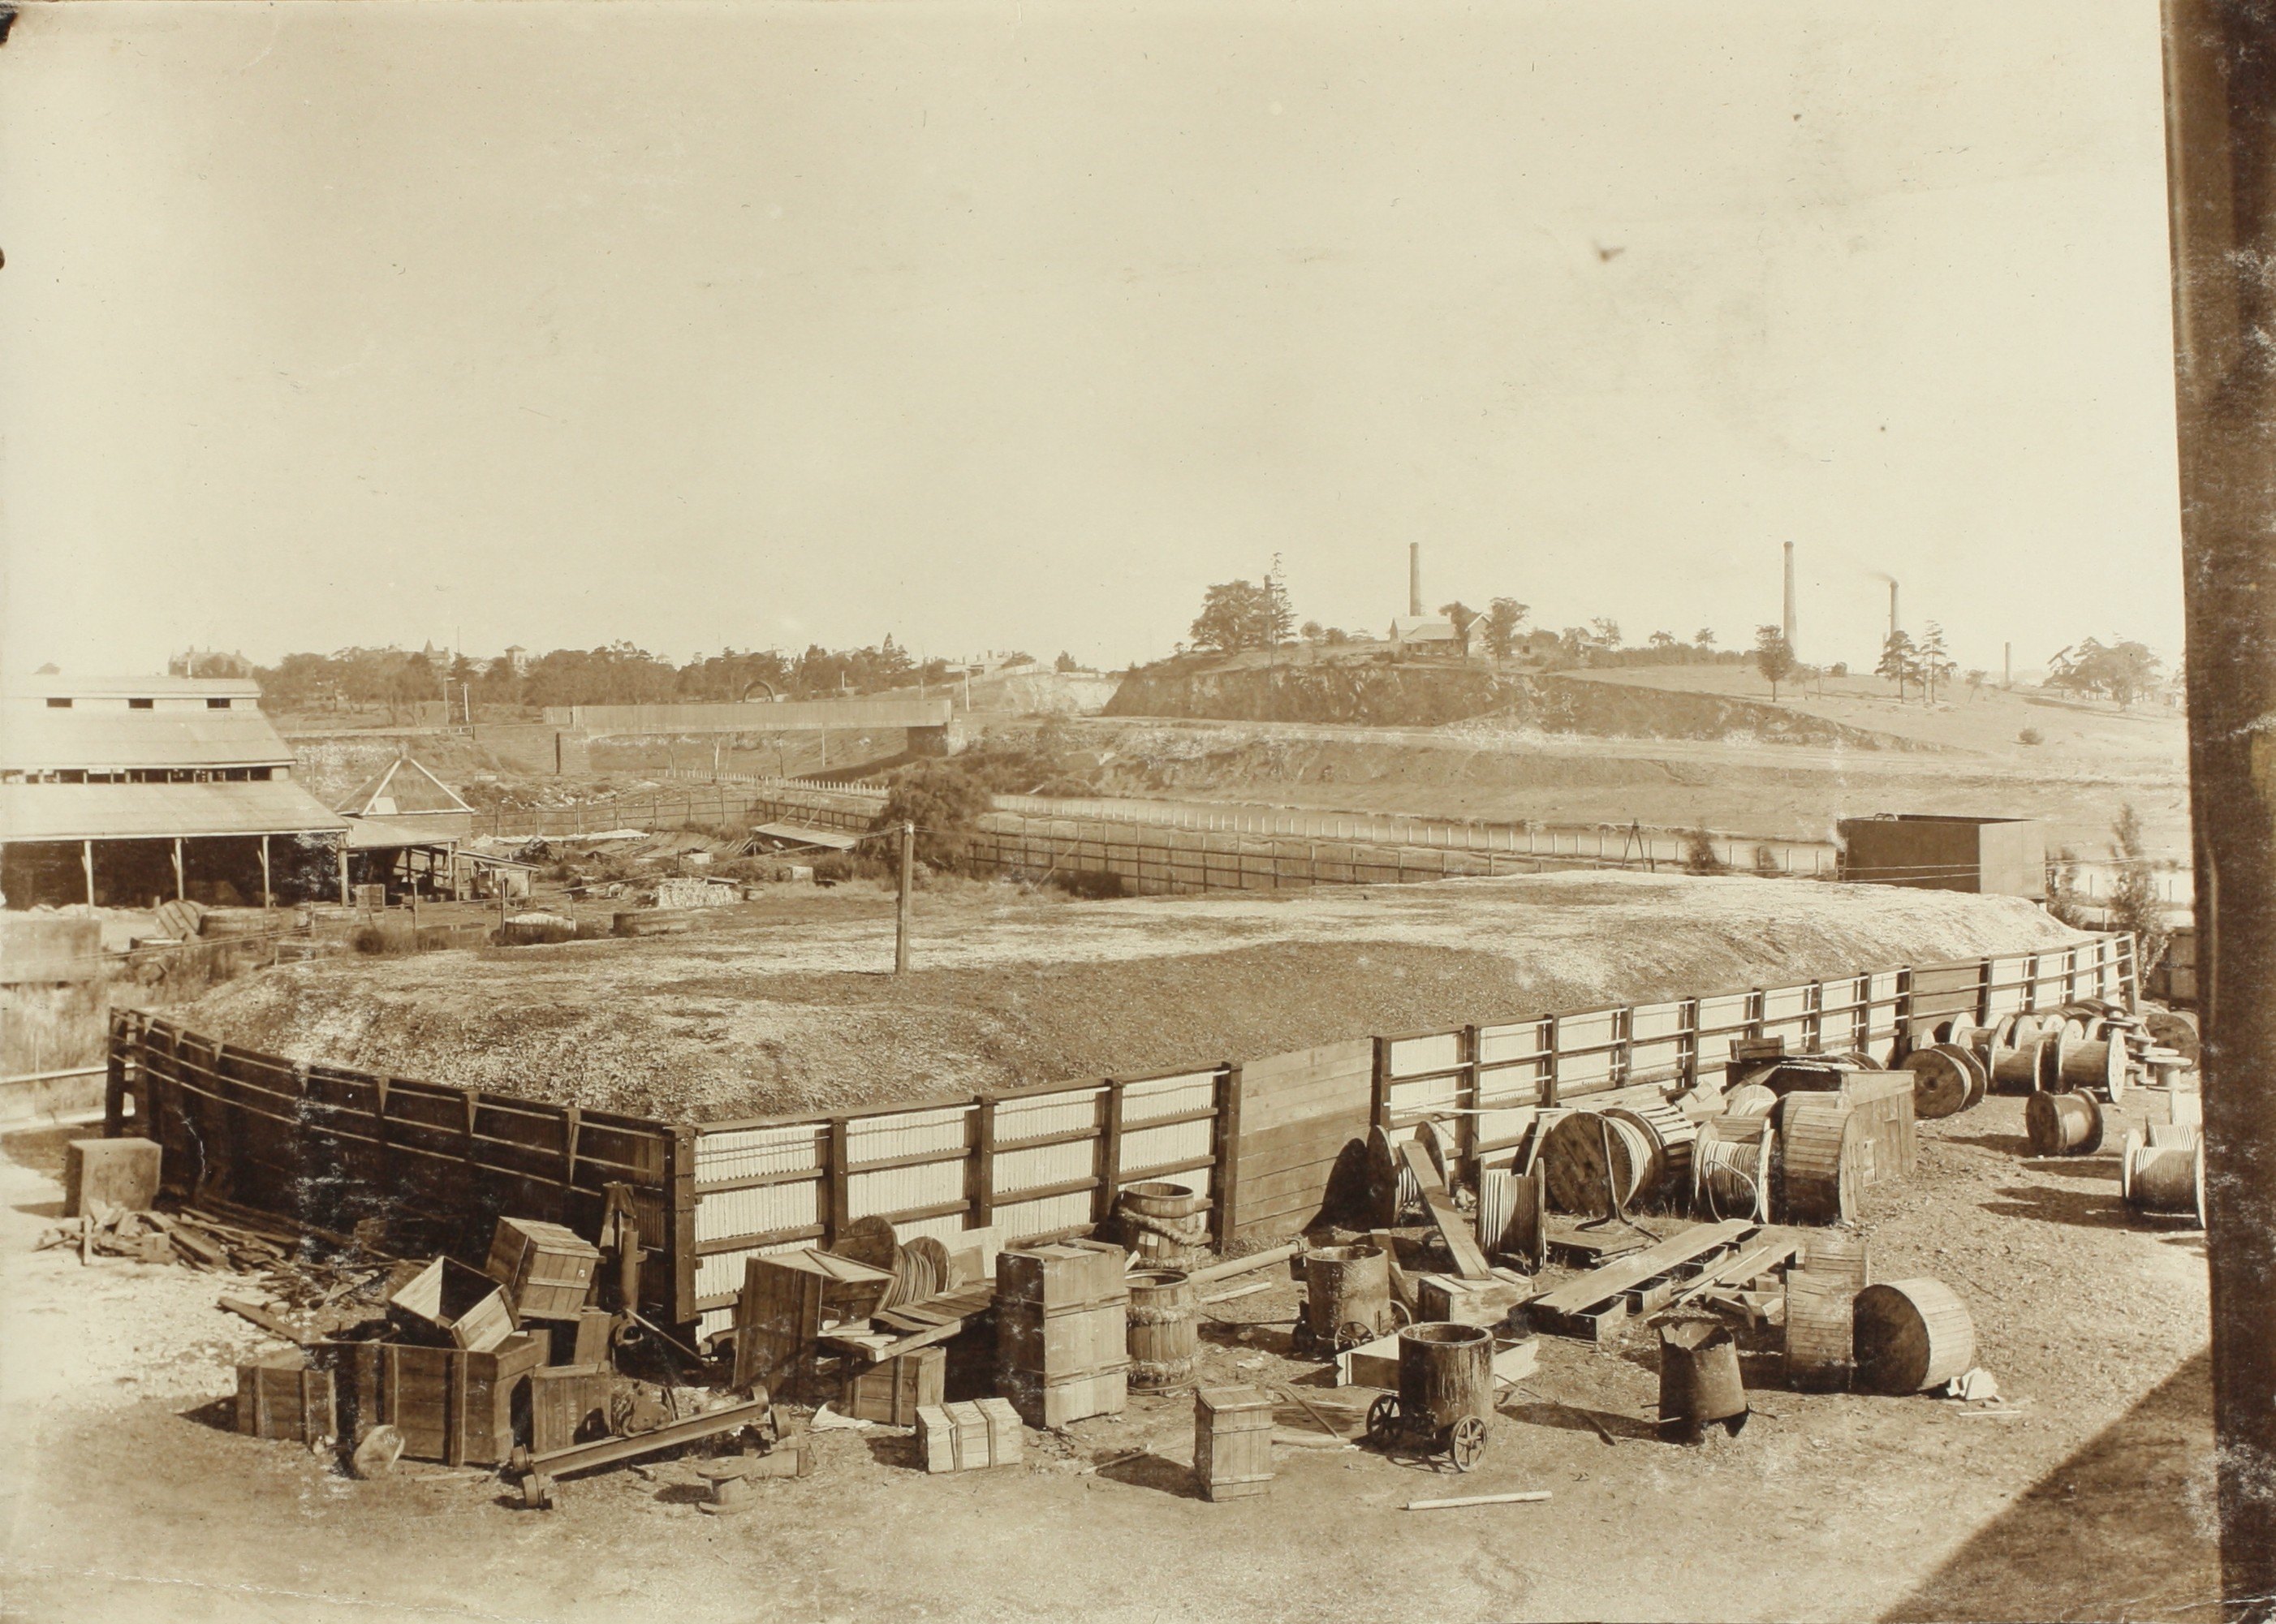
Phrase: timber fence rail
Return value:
(1262, 1139)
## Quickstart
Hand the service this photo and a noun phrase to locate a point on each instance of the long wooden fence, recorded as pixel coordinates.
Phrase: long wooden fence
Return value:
(434, 1166)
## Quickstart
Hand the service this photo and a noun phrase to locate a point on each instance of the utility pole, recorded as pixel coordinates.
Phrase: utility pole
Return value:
(902, 914)
(2220, 167)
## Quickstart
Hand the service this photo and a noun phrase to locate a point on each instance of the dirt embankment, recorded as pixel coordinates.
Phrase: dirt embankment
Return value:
(755, 1014)
(1430, 695)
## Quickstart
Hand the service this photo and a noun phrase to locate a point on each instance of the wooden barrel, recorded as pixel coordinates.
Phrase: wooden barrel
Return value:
(1164, 1334)
(1672, 1135)
(1166, 1225)
(2169, 1135)
(1574, 1161)
(1750, 1099)
(1911, 1335)
(2063, 1124)
(1941, 1082)
(1840, 1256)
(1345, 1286)
(1699, 1379)
(2168, 1180)
(1821, 1160)
(1731, 1166)
(1446, 1372)
(1820, 1342)
(2098, 1065)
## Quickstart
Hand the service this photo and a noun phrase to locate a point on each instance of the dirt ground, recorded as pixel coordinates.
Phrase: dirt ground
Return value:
(783, 1005)
(125, 1494)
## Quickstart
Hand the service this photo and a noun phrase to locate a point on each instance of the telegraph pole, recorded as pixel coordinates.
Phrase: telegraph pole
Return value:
(901, 914)
(2220, 164)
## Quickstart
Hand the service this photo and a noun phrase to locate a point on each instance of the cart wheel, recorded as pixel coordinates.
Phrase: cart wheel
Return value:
(1400, 1317)
(1383, 1417)
(1468, 1444)
(538, 1492)
(1351, 1334)
(517, 1463)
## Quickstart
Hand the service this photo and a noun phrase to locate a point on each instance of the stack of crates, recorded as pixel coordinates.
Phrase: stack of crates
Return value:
(1062, 1332)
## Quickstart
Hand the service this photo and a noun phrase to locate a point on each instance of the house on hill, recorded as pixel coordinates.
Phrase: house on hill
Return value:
(1426, 634)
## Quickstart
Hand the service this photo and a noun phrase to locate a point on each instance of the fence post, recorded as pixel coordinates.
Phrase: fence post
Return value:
(1378, 1109)
(1226, 1177)
(1466, 1097)
(1110, 1156)
(838, 1215)
(981, 1181)
(1549, 1071)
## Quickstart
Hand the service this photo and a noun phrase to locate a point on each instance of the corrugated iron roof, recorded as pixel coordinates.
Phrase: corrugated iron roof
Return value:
(35, 738)
(379, 834)
(63, 683)
(836, 840)
(159, 811)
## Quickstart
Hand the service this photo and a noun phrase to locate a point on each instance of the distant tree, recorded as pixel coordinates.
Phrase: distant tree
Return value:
(1311, 631)
(2135, 904)
(1462, 618)
(1503, 617)
(2121, 671)
(1235, 615)
(1933, 663)
(1605, 634)
(1897, 661)
(1066, 662)
(1663, 640)
(1975, 679)
(945, 800)
(1773, 656)
(1704, 637)
(1699, 854)
(1335, 637)
(1279, 614)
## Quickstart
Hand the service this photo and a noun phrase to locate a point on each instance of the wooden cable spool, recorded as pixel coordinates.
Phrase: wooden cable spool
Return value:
(1941, 1081)
(1672, 1135)
(2017, 1070)
(1820, 1339)
(1164, 1334)
(1346, 1287)
(1731, 1163)
(867, 1241)
(2053, 1053)
(1911, 1335)
(1573, 1161)
(2173, 1135)
(1750, 1099)
(2163, 1180)
(1821, 1163)
(2068, 1123)
(1840, 1255)
(2100, 1065)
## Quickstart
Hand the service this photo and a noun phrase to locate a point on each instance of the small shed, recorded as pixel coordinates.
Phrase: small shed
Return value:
(1992, 857)
(405, 792)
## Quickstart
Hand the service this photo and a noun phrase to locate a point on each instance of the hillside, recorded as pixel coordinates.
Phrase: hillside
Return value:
(1420, 693)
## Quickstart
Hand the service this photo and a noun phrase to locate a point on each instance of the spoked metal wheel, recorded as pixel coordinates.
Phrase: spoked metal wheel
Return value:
(1352, 1334)
(1466, 1444)
(1383, 1418)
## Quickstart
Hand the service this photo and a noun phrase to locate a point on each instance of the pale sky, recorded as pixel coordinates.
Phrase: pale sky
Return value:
(993, 326)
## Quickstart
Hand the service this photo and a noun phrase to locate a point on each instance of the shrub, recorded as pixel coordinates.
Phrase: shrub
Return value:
(1699, 854)
(945, 801)
(1766, 863)
(2030, 735)
(2135, 904)
(1095, 885)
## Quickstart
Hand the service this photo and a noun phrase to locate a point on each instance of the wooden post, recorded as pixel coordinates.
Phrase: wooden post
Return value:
(1110, 1156)
(839, 1214)
(87, 860)
(1548, 1068)
(267, 891)
(901, 910)
(982, 1191)
(344, 872)
(1224, 1182)
(1466, 1096)
(1378, 1104)
(2220, 85)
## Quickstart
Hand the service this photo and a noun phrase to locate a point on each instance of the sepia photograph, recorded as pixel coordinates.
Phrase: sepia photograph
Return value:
(1383, 810)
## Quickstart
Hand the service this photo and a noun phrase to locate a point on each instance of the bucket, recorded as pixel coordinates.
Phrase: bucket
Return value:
(1699, 1379)
(1446, 1372)
(1166, 1225)
(1346, 1291)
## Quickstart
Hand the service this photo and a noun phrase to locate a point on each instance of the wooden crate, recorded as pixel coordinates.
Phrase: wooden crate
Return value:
(283, 1396)
(118, 1172)
(1883, 1101)
(562, 1400)
(445, 1300)
(777, 1321)
(963, 1438)
(1232, 1442)
(893, 1390)
(547, 1269)
(1062, 1332)
(450, 1405)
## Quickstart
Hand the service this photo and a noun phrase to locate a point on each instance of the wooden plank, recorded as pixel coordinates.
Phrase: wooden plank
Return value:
(1614, 1278)
(1454, 1226)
